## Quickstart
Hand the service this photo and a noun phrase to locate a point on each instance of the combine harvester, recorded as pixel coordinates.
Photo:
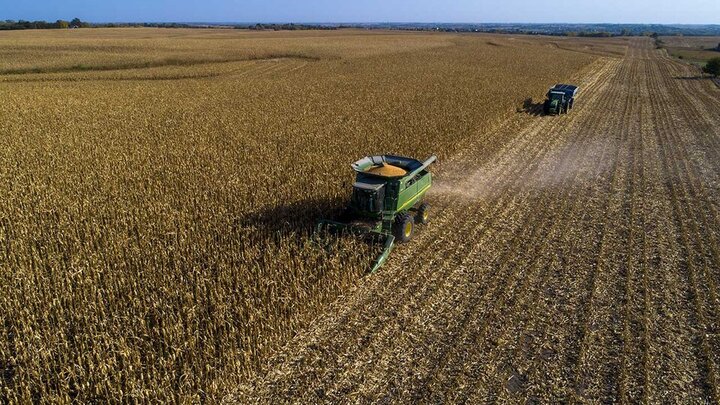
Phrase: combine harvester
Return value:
(387, 201)
(560, 99)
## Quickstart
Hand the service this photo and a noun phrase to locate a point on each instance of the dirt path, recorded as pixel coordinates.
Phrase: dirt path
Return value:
(569, 258)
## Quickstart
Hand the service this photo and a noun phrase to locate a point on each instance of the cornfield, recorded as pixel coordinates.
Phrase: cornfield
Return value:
(157, 188)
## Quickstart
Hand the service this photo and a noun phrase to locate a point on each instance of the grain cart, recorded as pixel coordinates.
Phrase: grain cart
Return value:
(560, 99)
(387, 201)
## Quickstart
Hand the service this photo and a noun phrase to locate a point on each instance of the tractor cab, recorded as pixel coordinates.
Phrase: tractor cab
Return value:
(556, 96)
(560, 99)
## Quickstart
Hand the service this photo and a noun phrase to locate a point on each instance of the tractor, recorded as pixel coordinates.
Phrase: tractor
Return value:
(560, 99)
(387, 201)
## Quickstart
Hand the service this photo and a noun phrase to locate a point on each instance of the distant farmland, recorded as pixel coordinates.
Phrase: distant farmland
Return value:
(692, 49)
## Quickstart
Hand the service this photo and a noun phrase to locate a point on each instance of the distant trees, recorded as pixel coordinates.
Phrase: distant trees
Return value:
(25, 25)
(41, 25)
(712, 67)
(76, 23)
(589, 34)
(285, 27)
(597, 34)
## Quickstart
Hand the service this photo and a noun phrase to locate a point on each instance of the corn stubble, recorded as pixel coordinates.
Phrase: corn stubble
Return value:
(157, 191)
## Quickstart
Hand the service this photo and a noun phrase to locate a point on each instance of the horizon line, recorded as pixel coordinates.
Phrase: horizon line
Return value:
(371, 22)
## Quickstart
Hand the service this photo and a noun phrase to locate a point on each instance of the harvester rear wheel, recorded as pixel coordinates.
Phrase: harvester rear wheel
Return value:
(423, 217)
(404, 227)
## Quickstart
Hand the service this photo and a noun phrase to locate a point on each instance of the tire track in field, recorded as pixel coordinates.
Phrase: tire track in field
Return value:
(700, 180)
(702, 148)
(690, 201)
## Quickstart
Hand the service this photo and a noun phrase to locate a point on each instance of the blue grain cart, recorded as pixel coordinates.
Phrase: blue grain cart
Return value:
(560, 99)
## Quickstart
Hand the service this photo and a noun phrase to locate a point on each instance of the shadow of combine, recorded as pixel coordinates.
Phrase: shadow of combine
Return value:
(298, 217)
(691, 77)
(715, 80)
(531, 108)
(296, 222)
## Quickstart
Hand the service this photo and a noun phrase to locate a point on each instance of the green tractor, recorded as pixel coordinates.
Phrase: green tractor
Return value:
(560, 99)
(387, 201)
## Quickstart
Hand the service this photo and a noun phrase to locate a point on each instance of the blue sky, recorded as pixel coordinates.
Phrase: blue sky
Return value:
(542, 11)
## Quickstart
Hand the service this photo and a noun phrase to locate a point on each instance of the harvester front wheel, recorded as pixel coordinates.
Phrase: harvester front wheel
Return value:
(423, 216)
(404, 227)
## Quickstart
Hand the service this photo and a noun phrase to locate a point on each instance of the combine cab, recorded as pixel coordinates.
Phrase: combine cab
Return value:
(387, 201)
(560, 99)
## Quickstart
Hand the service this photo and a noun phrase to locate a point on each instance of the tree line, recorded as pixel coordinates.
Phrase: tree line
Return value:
(77, 23)
(42, 25)
(712, 67)
(286, 27)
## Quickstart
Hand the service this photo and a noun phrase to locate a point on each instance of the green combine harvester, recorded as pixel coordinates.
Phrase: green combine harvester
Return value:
(387, 201)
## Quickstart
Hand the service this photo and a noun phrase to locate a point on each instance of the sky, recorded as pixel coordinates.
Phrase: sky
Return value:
(319, 11)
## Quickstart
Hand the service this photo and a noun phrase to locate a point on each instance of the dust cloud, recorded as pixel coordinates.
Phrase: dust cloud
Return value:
(528, 170)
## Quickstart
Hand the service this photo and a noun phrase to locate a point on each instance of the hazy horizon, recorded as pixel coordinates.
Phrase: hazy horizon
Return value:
(68, 18)
(665, 12)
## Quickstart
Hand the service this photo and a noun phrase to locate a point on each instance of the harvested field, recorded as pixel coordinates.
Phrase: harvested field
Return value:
(570, 259)
(697, 50)
(699, 42)
(157, 188)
